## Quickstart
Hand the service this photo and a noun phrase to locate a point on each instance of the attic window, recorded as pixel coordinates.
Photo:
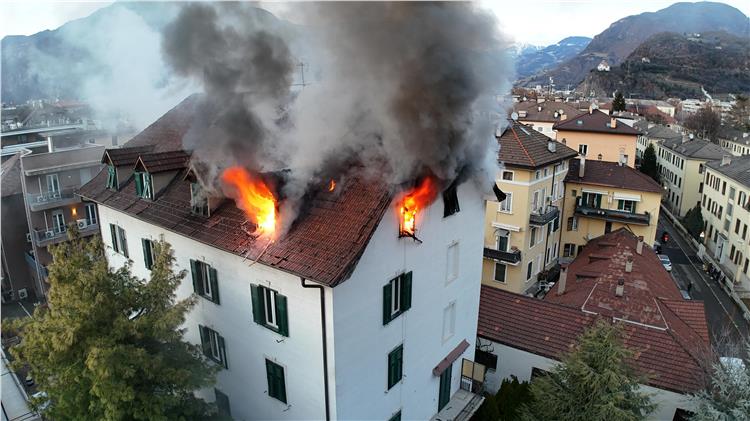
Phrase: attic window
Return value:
(579, 122)
(198, 201)
(111, 177)
(144, 185)
(450, 200)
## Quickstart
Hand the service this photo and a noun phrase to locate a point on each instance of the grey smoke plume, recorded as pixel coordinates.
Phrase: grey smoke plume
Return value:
(406, 89)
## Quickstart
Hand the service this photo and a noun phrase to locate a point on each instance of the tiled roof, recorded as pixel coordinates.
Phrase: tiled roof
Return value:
(611, 174)
(552, 330)
(11, 176)
(730, 133)
(657, 131)
(696, 148)
(164, 161)
(125, 156)
(520, 145)
(547, 112)
(596, 121)
(166, 133)
(323, 245)
(738, 168)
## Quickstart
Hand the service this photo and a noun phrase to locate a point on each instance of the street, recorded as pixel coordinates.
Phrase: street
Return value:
(725, 322)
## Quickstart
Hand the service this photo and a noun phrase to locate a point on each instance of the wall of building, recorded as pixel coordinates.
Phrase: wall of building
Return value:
(363, 343)
(683, 177)
(736, 148)
(14, 245)
(608, 145)
(545, 126)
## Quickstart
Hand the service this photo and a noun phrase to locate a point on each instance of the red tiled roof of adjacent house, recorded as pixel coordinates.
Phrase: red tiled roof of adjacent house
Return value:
(10, 173)
(545, 111)
(595, 121)
(324, 244)
(611, 174)
(163, 161)
(522, 146)
(552, 330)
(125, 156)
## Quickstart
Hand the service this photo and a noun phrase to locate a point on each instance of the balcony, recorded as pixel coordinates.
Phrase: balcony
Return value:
(613, 215)
(45, 237)
(46, 200)
(32, 264)
(512, 257)
(544, 215)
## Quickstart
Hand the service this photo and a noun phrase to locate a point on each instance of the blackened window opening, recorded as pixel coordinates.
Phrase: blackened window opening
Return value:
(450, 200)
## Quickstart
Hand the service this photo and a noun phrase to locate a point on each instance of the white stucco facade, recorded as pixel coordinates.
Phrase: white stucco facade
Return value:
(357, 341)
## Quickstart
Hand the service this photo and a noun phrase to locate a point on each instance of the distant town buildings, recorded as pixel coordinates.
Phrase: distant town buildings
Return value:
(603, 66)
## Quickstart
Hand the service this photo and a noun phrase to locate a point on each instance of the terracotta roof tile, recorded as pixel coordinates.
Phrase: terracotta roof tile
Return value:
(125, 156)
(164, 161)
(595, 121)
(520, 145)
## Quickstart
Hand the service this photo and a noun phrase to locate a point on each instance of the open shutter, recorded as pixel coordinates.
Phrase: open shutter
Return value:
(113, 231)
(281, 315)
(124, 242)
(214, 285)
(194, 272)
(138, 183)
(257, 301)
(406, 291)
(146, 253)
(387, 303)
(204, 340)
(223, 351)
(281, 382)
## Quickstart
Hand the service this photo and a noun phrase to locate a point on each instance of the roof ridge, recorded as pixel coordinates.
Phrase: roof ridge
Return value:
(523, 147)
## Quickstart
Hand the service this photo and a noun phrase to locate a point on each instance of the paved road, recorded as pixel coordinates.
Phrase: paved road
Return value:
(725, 321)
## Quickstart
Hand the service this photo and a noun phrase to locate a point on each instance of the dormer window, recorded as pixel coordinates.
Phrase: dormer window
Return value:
(144, 185)
(111, 177)
(198, 200)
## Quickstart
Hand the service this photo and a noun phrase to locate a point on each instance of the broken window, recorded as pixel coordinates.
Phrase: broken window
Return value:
(450, 200)
(198, 201)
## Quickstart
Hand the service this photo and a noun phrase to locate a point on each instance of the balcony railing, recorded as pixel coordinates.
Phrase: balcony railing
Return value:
(513, 256)
(50, 196)
(45, 237)
(613, 215)
(544, 215)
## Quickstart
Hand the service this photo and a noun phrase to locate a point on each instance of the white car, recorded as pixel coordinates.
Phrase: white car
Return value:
(666, 262)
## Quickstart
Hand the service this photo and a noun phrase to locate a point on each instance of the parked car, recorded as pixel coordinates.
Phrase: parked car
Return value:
(666, 262)
(657, 247)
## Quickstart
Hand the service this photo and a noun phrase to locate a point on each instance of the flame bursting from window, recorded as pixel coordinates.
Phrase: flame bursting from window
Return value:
(254, 197)
(414, 200)
(332, 185)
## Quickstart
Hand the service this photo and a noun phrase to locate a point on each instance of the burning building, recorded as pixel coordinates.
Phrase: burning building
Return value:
(344, 315)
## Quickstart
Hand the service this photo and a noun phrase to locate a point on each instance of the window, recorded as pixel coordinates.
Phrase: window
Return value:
(222, 404)
(53, 184)
(111, 177)
(485, 358)
(737, 226)
(452, 262)
(500, 270)
(730, 209)
(395, 366)
(744, 231)
(537, 174)
(532, 236)
(507, 204)
(508, 175)
(572, 223)
(727, 223)
(626, 205)
(593, 200)
(396, 297)
(144, 185)
(450, 200)
(91, 214)
(270, 309)
(529, 270)
(599, 157)
(535, 202)
(583, 149)
(148, 253)
(119, 242)
(449, 321)
(569, 250)
(198, 200)
(213, 345)
(502, 240)
(732, 192)
(276, 382)
(58, 221)
(205, 282)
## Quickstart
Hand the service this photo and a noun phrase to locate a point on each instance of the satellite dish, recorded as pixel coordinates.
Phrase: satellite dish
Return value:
(514, 116)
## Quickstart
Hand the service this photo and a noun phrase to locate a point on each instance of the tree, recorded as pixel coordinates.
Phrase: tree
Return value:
(488, 410)
(739, 116)
(618, 104)
(593, 382)
(727, 397)
(109, 345)
(704, 123)
(693, 221)
(509, 398)
(648, 163)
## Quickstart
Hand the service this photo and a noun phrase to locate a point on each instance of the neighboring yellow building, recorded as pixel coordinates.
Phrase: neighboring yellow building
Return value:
(598, 136)
(522, 233)
(726, 213)
(601, 197)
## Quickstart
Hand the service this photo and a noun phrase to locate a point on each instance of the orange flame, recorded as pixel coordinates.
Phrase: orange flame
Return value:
(413, 201)
(332, 185)
(254, 197)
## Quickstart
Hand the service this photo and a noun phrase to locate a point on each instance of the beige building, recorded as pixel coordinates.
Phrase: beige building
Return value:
(726, 213)
(598, 136)
(522, 233)
(542, 115)
(651, 134)
(734, 141)
(680, 162)
(601, 197)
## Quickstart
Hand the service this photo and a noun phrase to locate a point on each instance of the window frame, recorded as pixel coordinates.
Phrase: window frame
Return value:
(277, 389)
(507, 203)
(149, 256)
(205, 280)
(506, 172)
(213, 345)
(278, 306)
(396, 303)
(119, 240)
(583, 149)
(505, 273)
(198, 204)
(395, 366)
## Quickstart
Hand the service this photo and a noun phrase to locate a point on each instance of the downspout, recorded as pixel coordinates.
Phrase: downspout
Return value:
(546, 240)
(324, 339)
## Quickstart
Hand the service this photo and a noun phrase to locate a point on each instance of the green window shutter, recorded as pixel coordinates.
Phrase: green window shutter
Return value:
(282, 319)
(387, 303)
(138, 183)
(282, 383)
(194, 271)
(396, 417)
(276, 384)
(113, 231)
(395, 366)
(147, 253)
(270, 379)
(124, 242)
(204, 340)
(257, 302)
(405, 291)
(223, 352)
(214, 285)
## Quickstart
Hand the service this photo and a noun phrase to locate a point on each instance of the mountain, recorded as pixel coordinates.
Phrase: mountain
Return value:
(625, 35)
(677, 65)
(531, 60)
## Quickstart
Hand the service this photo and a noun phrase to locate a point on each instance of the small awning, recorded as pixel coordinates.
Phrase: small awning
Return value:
(625, 196)
(452, 356)
(594, 191)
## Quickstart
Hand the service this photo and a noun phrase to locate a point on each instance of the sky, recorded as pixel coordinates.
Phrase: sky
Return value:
(538, 22)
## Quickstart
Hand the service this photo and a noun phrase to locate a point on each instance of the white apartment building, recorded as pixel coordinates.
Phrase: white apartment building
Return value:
(734, 141)
(652, 134)
(340, 318)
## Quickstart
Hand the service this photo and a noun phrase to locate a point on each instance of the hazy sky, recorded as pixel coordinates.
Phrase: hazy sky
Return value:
(538, 22)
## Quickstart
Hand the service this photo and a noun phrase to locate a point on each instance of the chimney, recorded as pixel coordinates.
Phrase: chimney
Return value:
(551, 146)
(591, 109)
(726, 160)
(563, 279)
(639, 246)
(539, 108)
(629, 265)
(563, 117)
(612, 123)
(582, 167)
(50, 146)
(620, 289)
